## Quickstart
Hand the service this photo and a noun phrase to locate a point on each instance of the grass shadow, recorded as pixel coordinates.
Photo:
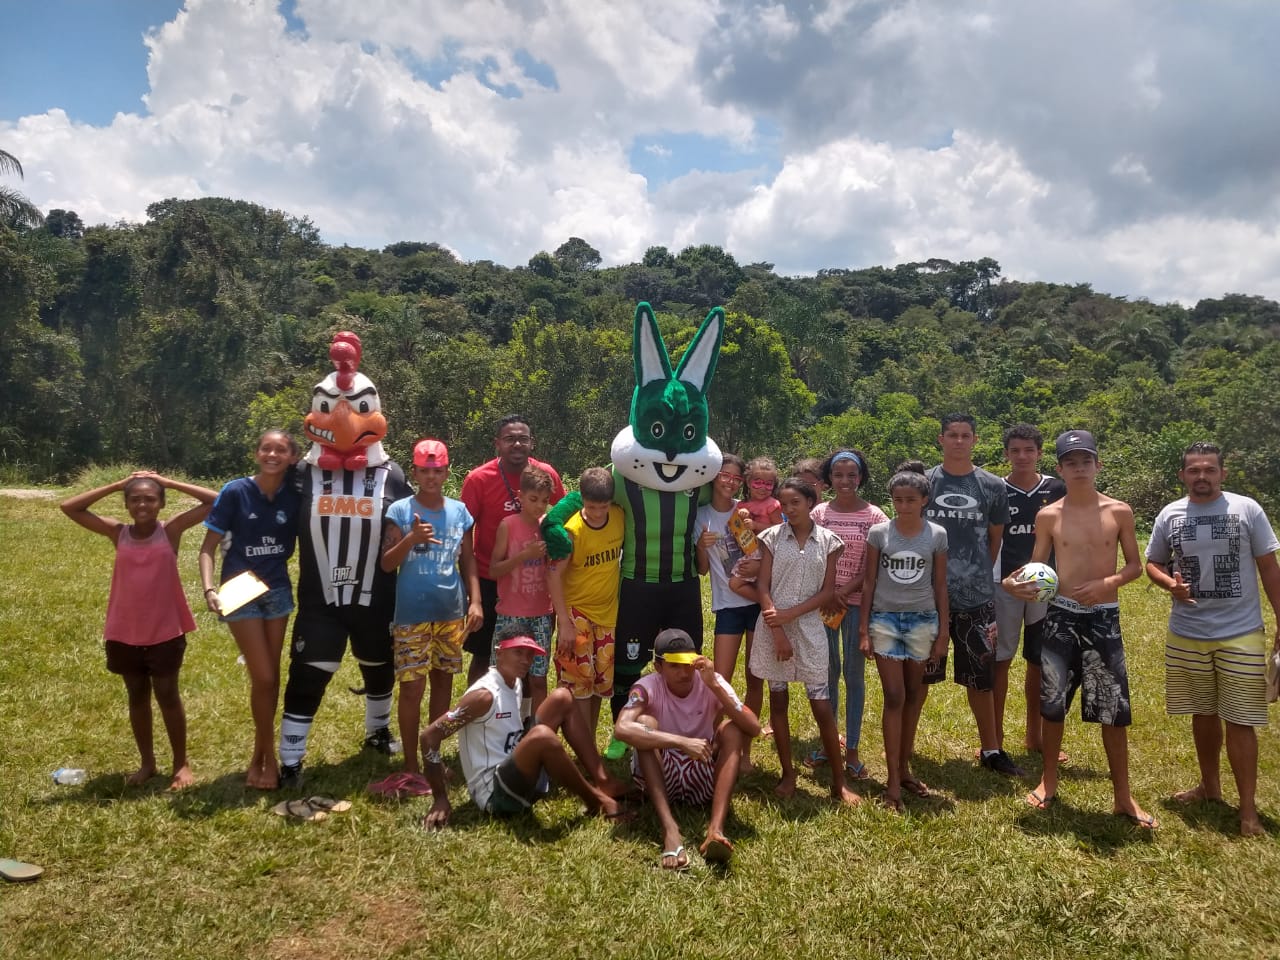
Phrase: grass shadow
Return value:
(965, 779)
(1097, 831)
(1216, 815)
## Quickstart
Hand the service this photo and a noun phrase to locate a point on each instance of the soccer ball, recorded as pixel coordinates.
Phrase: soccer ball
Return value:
(1043, 576)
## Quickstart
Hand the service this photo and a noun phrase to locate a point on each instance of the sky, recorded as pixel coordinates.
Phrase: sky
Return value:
(1130, 144)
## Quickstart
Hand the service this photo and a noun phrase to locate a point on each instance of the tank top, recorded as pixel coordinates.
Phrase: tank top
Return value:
(147, 605)
(486, 741)
(523, 592)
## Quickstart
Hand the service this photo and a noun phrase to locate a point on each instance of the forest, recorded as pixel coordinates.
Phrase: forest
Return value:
(175, 342)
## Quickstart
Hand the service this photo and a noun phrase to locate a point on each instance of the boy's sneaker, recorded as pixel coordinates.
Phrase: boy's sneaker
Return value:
(1001, 762)
(290, 776)
(382, 741)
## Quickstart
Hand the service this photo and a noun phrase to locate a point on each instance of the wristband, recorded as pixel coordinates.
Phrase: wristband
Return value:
(209, 590)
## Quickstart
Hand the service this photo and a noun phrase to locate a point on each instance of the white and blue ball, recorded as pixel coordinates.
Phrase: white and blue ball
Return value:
(1043, 576)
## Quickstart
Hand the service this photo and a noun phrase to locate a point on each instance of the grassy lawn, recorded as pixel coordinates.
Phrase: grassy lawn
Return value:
(212, 873)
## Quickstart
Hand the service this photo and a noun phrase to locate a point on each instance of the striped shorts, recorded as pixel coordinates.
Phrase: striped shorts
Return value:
(1223, 677)
(687, 780)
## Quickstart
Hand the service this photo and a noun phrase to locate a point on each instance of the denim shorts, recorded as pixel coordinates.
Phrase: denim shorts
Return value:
(272, 605)
(735, 621)
(903, 635)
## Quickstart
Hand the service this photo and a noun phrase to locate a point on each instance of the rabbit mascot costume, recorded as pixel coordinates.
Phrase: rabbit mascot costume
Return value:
(663, 461)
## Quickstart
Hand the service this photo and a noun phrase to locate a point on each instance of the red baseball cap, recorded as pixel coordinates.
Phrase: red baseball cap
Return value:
(521, 643)
(430, 453)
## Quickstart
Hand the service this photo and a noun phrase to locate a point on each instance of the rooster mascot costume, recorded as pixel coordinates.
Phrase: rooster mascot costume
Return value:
(347, 482)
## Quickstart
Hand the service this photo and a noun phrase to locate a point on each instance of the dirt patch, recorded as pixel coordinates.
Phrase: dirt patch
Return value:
(376, 927)
(19, 493)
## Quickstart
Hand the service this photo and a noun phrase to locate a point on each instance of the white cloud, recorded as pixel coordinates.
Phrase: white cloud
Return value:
(1128, 144)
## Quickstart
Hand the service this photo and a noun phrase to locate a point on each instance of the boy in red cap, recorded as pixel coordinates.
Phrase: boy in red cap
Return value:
(428, 537)
(508, 770)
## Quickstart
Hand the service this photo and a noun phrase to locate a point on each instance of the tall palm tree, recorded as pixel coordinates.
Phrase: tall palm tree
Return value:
(15, 209)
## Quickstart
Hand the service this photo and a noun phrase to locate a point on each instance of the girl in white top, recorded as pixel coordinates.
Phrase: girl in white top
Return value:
(797, 578)
(717, 554)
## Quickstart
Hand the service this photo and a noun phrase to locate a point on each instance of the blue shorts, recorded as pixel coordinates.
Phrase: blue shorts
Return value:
(903, 635)
(272, 605)
(735, 621)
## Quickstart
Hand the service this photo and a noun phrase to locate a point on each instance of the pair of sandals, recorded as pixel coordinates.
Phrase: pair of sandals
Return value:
(311, 809)
(400, 786)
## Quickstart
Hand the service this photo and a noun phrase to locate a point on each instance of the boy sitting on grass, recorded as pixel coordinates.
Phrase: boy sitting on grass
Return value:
(688, 728)
(508, 770)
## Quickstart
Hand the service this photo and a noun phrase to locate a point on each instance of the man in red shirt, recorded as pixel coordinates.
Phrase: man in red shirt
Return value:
(491, 492)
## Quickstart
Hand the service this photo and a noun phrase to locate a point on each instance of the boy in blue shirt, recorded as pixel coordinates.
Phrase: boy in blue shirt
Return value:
(428, 537)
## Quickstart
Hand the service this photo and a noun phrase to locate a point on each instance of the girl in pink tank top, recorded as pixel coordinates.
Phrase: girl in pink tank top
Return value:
(147, 612)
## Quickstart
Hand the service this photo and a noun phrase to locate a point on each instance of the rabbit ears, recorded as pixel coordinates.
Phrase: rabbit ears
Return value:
(697, 366)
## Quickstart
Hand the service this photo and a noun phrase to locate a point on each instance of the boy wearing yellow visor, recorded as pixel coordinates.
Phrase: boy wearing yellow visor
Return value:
(688, 727)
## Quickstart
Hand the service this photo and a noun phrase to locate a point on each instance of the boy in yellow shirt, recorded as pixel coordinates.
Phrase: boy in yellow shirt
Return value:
(584, 592)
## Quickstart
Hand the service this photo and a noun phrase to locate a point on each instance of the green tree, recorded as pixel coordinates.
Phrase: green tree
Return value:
(576, 255)
(16, 211)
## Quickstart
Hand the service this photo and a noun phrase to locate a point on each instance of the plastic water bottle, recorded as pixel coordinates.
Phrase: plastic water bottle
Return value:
(68, 776)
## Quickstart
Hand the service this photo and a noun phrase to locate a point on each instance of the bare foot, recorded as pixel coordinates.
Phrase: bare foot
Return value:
(891, 802)
(847, 797)
(1063, 759)
(1196, 794)
(261, 779)
(141, 775)
(1251, 826)
(786, 787)
(182, 778)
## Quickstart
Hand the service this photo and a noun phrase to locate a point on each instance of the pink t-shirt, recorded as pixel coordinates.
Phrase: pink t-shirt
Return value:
(147, 605)
(523, 592)
(852, 529)
(762, 511)
(691, 716)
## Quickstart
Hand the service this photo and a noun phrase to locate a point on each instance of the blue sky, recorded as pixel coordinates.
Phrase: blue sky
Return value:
(1125, 143)
(85, 56)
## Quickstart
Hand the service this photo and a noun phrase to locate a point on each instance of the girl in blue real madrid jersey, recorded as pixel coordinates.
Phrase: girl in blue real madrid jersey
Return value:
(257, 518)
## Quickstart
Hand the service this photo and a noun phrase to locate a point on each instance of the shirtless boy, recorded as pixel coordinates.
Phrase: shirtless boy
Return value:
(1081, 646)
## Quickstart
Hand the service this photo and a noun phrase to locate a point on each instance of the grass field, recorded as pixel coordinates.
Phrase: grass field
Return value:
(211, 873)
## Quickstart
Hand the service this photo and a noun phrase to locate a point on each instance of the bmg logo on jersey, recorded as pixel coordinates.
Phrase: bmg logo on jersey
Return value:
(329, 505)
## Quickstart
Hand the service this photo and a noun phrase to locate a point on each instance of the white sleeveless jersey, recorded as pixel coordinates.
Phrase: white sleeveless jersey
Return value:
(488, 740)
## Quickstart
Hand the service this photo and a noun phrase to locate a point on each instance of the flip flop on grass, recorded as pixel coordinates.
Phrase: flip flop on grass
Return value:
(679, 860)
(1038, 802)
(299, 810)
(397, 786)
(329, 805)
(916, 786)
(16, 871)
(1144, 820)
(856, 771)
